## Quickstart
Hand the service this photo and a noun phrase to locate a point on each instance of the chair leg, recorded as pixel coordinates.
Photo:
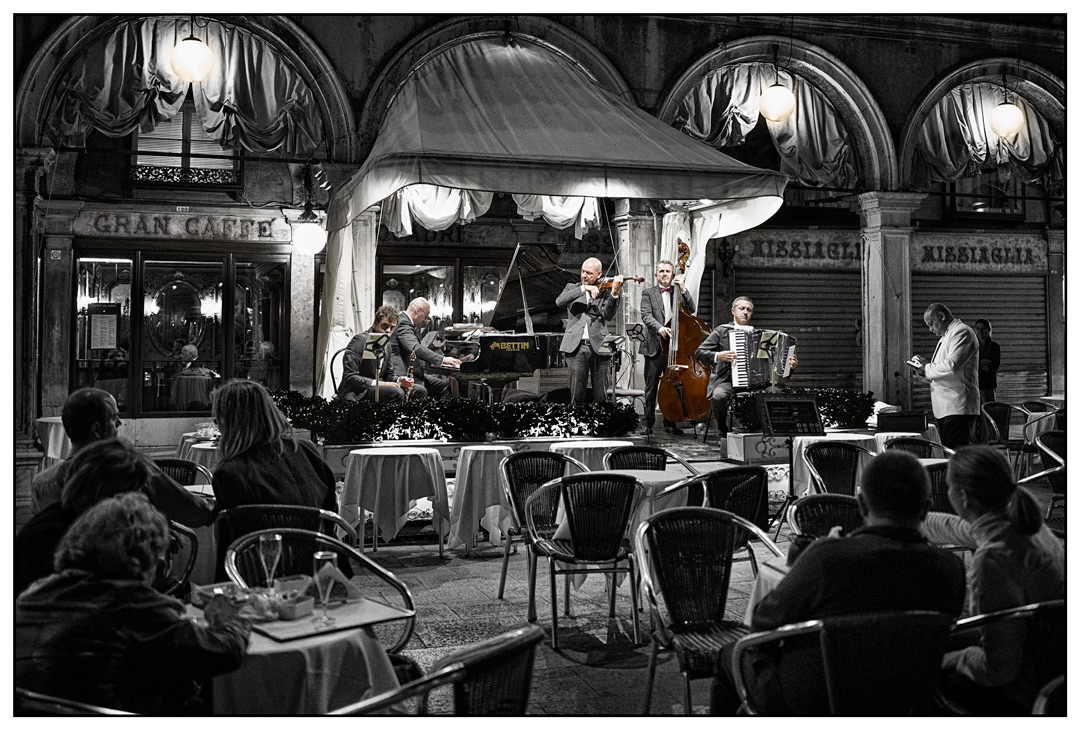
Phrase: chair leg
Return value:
(689, 704)
(610, 581)
(566, 594)
(554, 606)
(530, 561)
(634, 603)
(652, 674)
(505, 564)
(753, 558)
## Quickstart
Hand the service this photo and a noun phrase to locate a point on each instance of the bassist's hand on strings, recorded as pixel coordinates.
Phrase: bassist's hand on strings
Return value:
(664, 332)
(680, 280)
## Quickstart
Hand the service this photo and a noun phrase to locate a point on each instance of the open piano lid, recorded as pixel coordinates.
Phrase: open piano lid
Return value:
(537, 275)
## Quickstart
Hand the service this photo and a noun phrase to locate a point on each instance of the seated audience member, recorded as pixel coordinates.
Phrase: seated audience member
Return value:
(90, 416)
(96, 632)
(886, 565)
(359, 380)
(1017, 561)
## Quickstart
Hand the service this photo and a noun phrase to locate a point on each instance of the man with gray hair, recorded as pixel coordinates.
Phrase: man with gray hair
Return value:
(953, 372)
(407, 350)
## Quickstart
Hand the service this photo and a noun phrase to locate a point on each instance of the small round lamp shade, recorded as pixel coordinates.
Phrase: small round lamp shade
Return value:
(777, 103)
(308, 238)
(1006, 119)
(192, 59)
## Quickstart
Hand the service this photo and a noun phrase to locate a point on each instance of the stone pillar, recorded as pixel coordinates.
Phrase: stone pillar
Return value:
(886, 292)
(638, 242)
(1055, 296)
(57, 308)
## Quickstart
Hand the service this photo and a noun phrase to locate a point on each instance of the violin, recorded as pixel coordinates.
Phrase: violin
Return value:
(606, 282)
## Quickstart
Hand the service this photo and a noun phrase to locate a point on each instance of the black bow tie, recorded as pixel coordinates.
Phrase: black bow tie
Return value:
(665, 289)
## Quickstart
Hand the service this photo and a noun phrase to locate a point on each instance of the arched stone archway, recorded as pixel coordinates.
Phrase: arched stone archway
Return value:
(39, 82)
(383, 88)
(1040, 88)
(859, 110)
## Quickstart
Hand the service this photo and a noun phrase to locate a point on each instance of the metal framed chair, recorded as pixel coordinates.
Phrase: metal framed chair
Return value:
(236, 522)
(871, 664)
(183, 471)
(653, 458)
(298, 548)
(686, 555)
(1038, 406)
(816, 514)
(408, 699)
(939, 490)
(36, 704)
(1051, 445)
(334, 361)
(524, 473)
(597, 509)
(834, 467)
(920, 447)
(1000, 418)
(1051, 699)
(178, 561)
(1045, 647)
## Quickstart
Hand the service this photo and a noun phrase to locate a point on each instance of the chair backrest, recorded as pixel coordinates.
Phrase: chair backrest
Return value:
(298, 548)
(36, 704)
(1045, 648)
(1051, 699)
(1051, 445)
(408, 699)
(685, 553)
(178, 561)
(596, 507)
(183, 471)
(1037, 406)
(815, 514)
(873, 664)
(236, 522)
(334, 360)
(1001, 416)
(939, 490)
(741, 490)
(498, 672)
(919, 447)
(834, 467)
(526, 471)
(653, 458)
(1059, 420)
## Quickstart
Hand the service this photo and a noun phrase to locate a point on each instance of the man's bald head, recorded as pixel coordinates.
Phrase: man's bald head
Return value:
(419, 309)
(591, 269)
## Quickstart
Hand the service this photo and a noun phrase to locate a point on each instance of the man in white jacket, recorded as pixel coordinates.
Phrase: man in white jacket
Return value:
(953, 372)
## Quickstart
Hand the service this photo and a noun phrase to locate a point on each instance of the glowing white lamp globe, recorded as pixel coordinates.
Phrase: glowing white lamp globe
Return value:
(777, 103)
(192, 59)
(1006, 119)
(308, 238)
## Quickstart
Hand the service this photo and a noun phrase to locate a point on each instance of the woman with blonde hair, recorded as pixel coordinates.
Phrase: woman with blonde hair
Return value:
(1016, 561)
(97, 632)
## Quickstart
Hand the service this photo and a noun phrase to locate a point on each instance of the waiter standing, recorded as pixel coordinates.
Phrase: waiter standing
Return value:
(588, 311)
(657, 311)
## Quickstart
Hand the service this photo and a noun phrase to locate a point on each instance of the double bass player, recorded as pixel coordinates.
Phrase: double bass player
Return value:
(657, 308)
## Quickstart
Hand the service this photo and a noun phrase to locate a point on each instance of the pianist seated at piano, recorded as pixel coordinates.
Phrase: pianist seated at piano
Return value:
(409, 357)
(716, 352)
(359, 380)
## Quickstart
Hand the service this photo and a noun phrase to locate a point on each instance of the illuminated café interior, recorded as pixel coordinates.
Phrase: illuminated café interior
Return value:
(201, 199)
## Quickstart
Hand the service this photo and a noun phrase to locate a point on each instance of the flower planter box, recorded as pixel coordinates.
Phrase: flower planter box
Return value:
(756, 448)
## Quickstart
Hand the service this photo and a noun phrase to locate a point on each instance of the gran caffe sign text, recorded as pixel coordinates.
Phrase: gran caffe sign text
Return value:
(181, 224)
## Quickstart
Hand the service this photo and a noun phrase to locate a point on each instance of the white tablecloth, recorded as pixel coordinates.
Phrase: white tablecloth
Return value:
(204, 453)
(770, 573)
(800, 477)
(387, 482)
(588, 451)
(192, 391)
(479, 496)
(205, 569)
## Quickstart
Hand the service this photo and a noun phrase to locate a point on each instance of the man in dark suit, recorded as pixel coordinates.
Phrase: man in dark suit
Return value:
(360, 380)
(406, 350)
(588, 311)
(657, 310)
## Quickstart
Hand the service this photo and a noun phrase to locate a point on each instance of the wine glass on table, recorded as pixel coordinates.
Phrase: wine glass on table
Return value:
(269, 555)
(324, 584)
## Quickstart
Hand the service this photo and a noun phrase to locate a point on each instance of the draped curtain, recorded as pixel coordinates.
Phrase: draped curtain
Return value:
(956, 140)
(812, 142)
(123, 81)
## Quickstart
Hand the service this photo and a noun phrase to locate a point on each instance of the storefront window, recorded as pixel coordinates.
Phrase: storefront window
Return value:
(481, 291)
(257, 322)
(103, 326)
(402, 284)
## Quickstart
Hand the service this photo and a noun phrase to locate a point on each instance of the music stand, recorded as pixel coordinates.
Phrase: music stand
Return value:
(375, 349)
(789, 416)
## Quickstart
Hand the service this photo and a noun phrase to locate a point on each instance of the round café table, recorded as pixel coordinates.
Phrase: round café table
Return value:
(590, 452)
(479, 496)
(204, 453)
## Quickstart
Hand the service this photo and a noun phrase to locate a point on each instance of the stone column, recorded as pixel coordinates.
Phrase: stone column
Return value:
(638, 242)
(1055, 296)
(886, 292)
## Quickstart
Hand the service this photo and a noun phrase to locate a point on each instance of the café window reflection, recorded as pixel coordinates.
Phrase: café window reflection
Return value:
(481, 291)
(260, 288)
(103, 326)
(402, 284)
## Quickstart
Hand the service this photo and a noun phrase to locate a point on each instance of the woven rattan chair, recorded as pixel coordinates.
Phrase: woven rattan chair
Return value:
(1037, 406)
(597, 509)
(179, 560)
(232, 524)
(298, 548)
(816, 514)
(1051, 699)
(36, 704)
(919, 447)
(999, 418)
(834, 467)
(873, 664)
(1045, 647)
(653, 458)
(524, 473)
(939, 489)
(185, 472)
(1051, 445)
(686, 568)
(410, 698)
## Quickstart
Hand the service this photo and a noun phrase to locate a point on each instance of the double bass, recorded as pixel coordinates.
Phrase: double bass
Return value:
(684, 384)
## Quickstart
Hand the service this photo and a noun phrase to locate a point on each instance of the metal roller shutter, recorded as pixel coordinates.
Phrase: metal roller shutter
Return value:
(823, 309)
(1016, 309)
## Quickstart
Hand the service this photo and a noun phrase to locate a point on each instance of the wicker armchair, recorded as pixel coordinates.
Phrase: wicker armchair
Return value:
(919, 447)
(597, 509)
(653, 458)
(35, 704)
(232, 524)
(686, 556)
(185, 472)
(834, 467)
(999, 418)
(1051, 699)
(524, 473)
(178, 562)
(872, 664)
(816, 514)
(939, 490)
(1051, 445)
(409, 699)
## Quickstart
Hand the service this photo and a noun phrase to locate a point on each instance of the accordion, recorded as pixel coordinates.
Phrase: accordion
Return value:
(759, 356)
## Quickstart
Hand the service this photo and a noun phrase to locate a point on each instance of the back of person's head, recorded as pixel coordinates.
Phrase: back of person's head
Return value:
(984, 475)
(101, 470)
(84, 409)
(122, 537)
(938, 308)
(896, 486)
(247, 417)
(390, 314)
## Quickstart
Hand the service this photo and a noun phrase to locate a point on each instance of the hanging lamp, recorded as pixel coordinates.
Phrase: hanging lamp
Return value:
(777, 101)
(1006, 118)
(309, 237)
(192, 59)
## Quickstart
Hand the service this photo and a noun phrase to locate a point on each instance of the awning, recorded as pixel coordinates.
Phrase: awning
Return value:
(521, 117)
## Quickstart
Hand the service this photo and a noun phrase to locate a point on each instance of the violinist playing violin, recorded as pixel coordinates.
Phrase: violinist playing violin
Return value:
(590, 305)
(657, 307)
